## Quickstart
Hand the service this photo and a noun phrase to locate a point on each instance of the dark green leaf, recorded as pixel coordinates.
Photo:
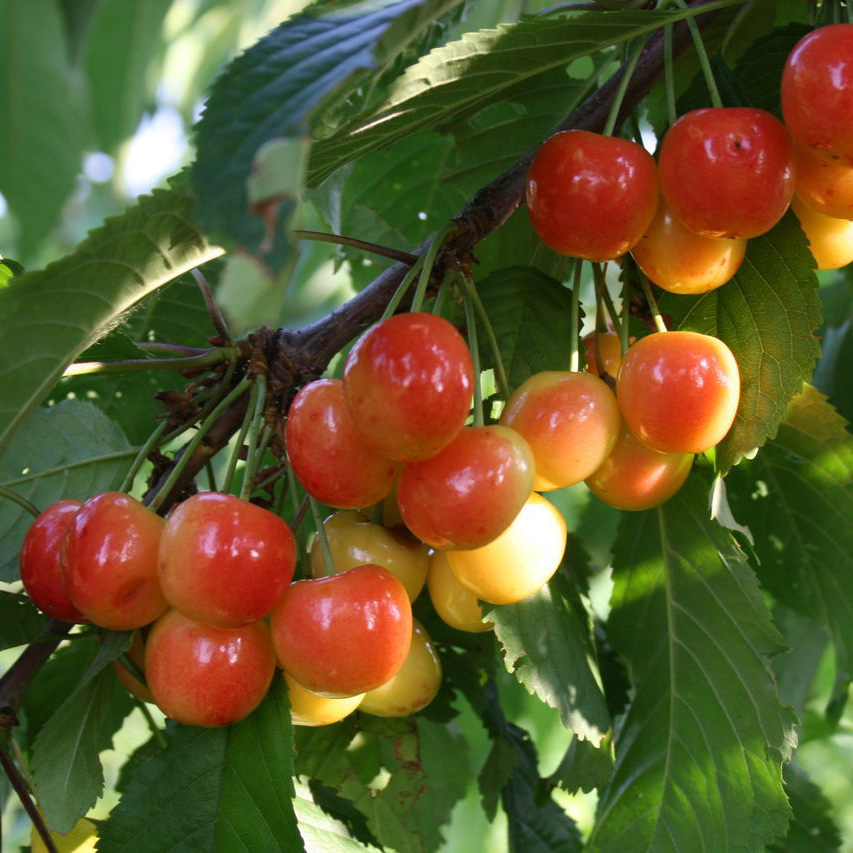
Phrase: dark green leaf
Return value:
(584, 767)
(812, 829)
(20, 621)
(699, 752)
(500, 764)
(78, 17)
(797, 669)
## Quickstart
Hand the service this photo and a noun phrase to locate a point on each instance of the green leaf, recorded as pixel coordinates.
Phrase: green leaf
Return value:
(812, 828)
(66, 766)
(529, 312)
(699, 752)
(123, 41)
(321, 832)
(37, 88)
(270, 93)
(20, 621)
(51, 316)
(547, 645)
(584, 767)
(70, 450)
(8, 270)
(767, 315)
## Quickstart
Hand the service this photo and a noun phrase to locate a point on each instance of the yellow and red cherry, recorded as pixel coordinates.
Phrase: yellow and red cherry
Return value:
(679, 391)
(826, 186)
(602, 352)
(727, 171)
(109, 562)
(201, 675)
(570, 420)
(225, 561)
(634, 477)
(681, 261)
(311, 709)
(331, 459)
(355, 541)
(830, 239)
(344, 634)
(454, 603)
(817, 92)
(134, 686)
(414, 686)
(520, 561)
(469, 493)
(591, 196)
(41, 565)
(408, 384)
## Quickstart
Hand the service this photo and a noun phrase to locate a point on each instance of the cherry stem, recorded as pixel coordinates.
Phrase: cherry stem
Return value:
(133, 669)
(152, 724)
(444, 233)
(626, 316)
(257, 420)
(619, 95)
(139, 460)
(364, 245)
(20, 786)
(500, 371)
(652, 302)
(443, 292)
(403, 287)
(702, 55)
(574, 319)
(471, 322)
(20, 501)
(209, 358)
(211, 476)
(170, 349)
(329, 563)
(213, 309)
(601, 286)
(241, 440)
(669, 75)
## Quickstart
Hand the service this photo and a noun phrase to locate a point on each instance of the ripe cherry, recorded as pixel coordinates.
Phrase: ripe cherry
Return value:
(40, 562)
(591, 196)
(331, 459)
(225, 561)
(466, 495)
(408, 384)
(634, 477)
(311, 709)
(678, 391)
(830, 239)
(602, 352)
(826, 186)
(454, 603)
(728, 171)
(570, 420)
(817, 92)
(110, 562)
(201, 675)
(343, 634)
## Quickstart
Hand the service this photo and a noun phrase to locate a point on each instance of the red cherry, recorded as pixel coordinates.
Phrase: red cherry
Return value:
(110, 562)
(817, 92)
(41, 569)
(201, 675)
(727, 172)
(225, 561)
(591, 196)
(469, 493)
(331, 459)
(344, 634)
(408, 384)
(826, 186)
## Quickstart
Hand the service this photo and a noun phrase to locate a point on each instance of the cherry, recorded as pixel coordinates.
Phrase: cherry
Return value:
(331, 459)
(134, 686)
(826, 186)
(830, 239)
(591, 196)
(520, 561)
(201, 675)
(414, 686)
(678, 391)
(225, 561)
(343, 634)
(454, 603)
(817, 92)
(681, 261)
(40, 562)
(408, 384)
(311, 709)
(355, 541)
(727, 171)
(570, 421)
(634, 477)
(109, 561)
(466, 495)
(603, 347)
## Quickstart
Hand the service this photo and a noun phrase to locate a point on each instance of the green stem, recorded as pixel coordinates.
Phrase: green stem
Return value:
(626, 316)
(669, 75)
(329, 567)
(601, 287)
(211, 476)
(446, 230)
(500, 371)
(152, 724)
(177, 350)
(619, 95)
(471, 321)
(271, 478)
(139, 461)
(363, 245)
(702, 55)
(652, 302)
(403, 287)
(257, 422)
(574, 319)
(241, 439)
(210, 358)
(443, 292)
(20, 501)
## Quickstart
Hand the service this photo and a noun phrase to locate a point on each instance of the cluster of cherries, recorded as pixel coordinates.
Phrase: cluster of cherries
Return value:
(723, 175)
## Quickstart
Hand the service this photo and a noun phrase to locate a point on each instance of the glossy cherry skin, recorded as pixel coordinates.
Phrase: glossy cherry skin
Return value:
(329, 455)
(201, 675)
(830, 239)
(826, 186)
(454, 603)
(591, 196)
(225, 561)
(817, 92)
(408, 384)
(109, 561)
(679, 391)
(355, 541)
(134, 686)
(414, 686)
(681, 261)
(634, 477)
(520, 561)
(470, 492)
(727, 171)
(344, 634)
(311, 709)
(570, 421)
(40, 562)
(602, 350)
